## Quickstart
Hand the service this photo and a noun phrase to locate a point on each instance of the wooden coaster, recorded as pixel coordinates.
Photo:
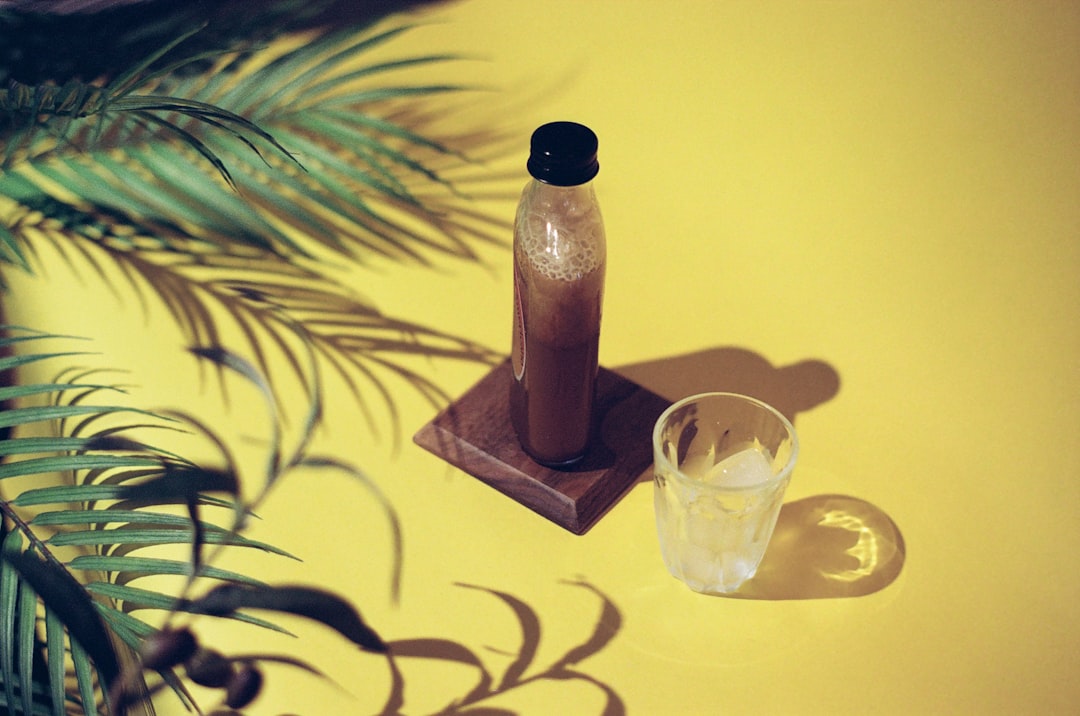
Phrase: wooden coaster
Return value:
(474, 434)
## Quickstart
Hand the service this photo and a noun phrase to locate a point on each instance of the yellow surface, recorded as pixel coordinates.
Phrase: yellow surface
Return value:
(881, 194)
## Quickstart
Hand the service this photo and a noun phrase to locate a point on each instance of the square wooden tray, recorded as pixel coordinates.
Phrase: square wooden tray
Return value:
(474, 434)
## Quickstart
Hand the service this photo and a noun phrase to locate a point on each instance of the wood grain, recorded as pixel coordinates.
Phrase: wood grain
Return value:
(475, 435)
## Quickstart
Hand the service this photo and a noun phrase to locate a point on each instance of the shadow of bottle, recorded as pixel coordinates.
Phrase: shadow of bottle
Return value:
(791, 389)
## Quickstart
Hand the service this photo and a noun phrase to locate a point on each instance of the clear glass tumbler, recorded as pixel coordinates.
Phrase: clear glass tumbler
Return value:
(722, 464)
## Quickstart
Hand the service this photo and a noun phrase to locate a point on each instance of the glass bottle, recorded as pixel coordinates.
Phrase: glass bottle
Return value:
(559, 265)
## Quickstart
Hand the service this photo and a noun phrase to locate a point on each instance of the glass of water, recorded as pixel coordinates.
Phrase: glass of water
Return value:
(722, 462)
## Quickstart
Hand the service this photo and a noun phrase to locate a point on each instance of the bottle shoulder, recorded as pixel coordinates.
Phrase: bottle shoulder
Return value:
(571, 209)
(558, 198)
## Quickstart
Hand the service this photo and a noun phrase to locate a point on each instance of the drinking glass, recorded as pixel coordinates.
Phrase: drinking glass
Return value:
(722, 462)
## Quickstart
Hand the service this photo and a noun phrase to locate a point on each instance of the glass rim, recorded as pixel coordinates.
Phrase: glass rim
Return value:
(660, 455)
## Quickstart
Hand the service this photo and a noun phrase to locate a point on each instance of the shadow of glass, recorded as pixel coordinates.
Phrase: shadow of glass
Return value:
(828, 546)
(791, 389)
(825, 546)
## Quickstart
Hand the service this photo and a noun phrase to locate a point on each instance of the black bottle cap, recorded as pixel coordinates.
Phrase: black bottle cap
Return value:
(563, 154)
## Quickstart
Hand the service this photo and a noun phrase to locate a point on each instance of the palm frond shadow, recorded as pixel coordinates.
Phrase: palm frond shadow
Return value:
(522, 670)
(277, 309)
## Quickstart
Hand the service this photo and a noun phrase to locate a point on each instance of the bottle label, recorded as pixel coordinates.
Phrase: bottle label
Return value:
(517, 354)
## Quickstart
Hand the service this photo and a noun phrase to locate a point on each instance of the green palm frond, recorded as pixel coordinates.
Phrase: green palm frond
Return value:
(57, 549)
(82, 558)
(138, 184)
(42, 118)
(301, 137)
(220, 170)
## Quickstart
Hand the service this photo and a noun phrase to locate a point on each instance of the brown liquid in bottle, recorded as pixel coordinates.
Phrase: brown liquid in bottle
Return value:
(559, 259)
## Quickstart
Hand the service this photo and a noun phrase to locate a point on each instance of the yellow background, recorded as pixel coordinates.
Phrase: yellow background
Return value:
(881, 194)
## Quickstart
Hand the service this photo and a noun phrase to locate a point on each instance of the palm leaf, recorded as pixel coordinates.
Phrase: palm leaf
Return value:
(101, 468)
(217, 181)
(55, 637)
(372, 186)
(311, 91)
(130, 599)
(24, 577)
(80, 566)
